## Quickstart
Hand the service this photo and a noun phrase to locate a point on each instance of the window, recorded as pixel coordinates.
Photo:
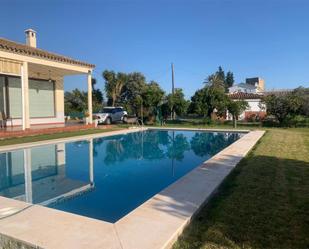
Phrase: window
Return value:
(14, 101)
(2, 92)
(10, 96)
(41, 98)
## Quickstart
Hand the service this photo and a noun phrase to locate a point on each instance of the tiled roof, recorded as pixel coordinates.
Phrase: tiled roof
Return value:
(278, 92)
(22, 49)
(242, 95)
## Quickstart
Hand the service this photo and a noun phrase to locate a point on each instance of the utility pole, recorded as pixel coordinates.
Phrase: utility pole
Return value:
(173, 92)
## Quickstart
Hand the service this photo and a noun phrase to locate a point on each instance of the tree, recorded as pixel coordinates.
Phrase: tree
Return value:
(75, 101)
(97, 97)
(236, 108)
(113, 86)
(208, 99)
(132, 92)
(229, 80)
(215, 81)
(197, 103)
(176, 102)
(152, 96)
(220, 73)
(303, 94)
(283, 106)
(219, 79)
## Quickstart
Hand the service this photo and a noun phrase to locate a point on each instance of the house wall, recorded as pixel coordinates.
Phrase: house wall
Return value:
(255, 109)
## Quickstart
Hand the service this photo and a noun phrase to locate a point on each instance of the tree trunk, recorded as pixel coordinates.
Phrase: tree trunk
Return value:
(234, 121)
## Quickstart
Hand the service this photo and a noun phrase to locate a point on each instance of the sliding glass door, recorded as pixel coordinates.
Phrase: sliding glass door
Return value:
(41, 97)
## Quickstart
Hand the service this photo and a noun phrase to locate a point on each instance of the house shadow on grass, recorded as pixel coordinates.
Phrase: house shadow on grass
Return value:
(262, 203)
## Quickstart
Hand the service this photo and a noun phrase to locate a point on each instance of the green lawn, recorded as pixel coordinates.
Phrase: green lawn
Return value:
(35, 138)
(263, 203)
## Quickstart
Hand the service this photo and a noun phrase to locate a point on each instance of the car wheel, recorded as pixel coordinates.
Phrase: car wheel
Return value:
(125, 119)
(108, 121)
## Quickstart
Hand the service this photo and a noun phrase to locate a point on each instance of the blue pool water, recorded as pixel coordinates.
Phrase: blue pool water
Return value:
(106, 178)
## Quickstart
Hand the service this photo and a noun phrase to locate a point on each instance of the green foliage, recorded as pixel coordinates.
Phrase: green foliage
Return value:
(97, 97)
(76, 101)
(131, 95)
(212, 97)
(152, 96)
(288, 108)
(219, 79)
(113, 86)
(133, 92)
(205, 101)
(236, 108)
(177, 103)
(303, 94)
(229, 79)
(216, 81)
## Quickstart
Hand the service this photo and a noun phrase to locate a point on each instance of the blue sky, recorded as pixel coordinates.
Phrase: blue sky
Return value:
(267, 38)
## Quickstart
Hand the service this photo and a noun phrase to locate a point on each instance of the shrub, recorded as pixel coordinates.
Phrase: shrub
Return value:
(296, 121)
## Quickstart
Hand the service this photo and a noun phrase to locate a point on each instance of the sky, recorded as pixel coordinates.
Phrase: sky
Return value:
(265, 38)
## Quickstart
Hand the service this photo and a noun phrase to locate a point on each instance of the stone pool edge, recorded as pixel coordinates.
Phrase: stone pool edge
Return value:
(157, 223)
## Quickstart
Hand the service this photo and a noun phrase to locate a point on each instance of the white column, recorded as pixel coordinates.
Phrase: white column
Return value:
(28, 176)
(89, 96)
(91, 178)
(25, 96)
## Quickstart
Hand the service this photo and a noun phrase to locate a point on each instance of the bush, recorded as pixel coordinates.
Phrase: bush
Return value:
(289, 121)
(296, 121)
(208, 121)
(270, 121)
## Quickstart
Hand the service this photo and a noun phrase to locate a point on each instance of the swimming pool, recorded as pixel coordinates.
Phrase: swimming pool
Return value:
(106, 178)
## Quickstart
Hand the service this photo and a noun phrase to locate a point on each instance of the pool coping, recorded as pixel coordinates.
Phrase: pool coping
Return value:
(156, 223)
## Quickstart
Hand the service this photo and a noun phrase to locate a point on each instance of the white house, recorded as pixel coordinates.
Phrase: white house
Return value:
(256, 110)
(252, 85)
(244, 88)
(252, 92)
(32, 83)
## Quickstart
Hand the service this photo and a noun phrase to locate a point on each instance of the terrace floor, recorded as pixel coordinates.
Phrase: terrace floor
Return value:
(9, 131)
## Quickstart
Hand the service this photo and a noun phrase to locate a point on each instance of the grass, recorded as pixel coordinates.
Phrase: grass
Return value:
(36, 138)
(263, 203)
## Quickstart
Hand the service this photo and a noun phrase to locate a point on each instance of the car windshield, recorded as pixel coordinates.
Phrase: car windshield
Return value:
(107, 110)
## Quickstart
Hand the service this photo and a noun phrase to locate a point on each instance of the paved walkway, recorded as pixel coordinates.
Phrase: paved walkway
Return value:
(46, 129)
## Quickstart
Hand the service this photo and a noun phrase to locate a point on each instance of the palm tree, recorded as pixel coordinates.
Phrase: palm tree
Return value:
(215, 80)
(114, 84)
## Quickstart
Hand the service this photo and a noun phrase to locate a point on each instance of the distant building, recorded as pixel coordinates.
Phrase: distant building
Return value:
(252, 92)
(256, 110)
(252, 85)
(257, 82)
